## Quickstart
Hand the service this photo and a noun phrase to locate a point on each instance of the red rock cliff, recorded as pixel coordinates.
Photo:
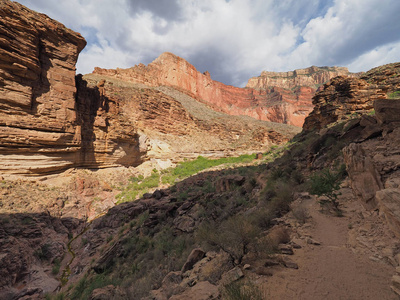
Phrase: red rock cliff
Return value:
(269, 97)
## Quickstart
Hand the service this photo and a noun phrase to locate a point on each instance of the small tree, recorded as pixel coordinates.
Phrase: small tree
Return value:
(327, 183)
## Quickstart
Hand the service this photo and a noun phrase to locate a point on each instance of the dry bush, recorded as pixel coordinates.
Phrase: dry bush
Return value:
(278, 235)
(301, 214)
(233, 235)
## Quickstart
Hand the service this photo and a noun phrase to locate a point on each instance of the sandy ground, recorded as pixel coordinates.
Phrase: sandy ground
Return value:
(332, 270)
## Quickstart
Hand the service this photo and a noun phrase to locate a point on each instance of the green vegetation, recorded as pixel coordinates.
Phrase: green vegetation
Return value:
(86, 285)
(43, 253)
(394, 95)
(56, 266)
(326, 183)
(140, 185)
(189, 168)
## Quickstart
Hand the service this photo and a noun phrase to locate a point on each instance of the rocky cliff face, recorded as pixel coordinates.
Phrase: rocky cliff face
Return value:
(344, 98)
(277, 97)
(37, 90)
(374, 164)
(45, 126)
(372, 159)
(51, 121)
(311, 77)
(176, 126)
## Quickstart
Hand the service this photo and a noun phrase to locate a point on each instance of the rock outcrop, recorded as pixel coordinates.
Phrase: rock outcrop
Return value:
(175, 126)
(372, 159)
(37, 90)
(374, 166)
(277, 97)
(344, 98)
(45, 125)
(311, 77)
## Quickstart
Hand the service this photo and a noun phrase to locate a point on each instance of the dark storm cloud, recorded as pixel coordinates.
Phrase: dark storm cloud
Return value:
(213, 61)
(167, 9)
(375, 32)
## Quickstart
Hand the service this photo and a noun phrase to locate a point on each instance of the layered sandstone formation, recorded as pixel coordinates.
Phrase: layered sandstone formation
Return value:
(44, 127)
(311, 77)
(37, 90)
(344, 98)
(277, 97)
(176, 126)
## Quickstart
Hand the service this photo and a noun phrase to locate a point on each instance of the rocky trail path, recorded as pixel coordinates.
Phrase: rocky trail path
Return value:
(333, 269)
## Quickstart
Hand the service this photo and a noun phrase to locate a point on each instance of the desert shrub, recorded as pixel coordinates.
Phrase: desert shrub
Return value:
(297, 177)
(301, 214)
(262, 218)
(86, 285)
(277, 196)
(240, 290)
(233, 235)
(56, 266)
(79, 288)
(43, 253)
(327, 183)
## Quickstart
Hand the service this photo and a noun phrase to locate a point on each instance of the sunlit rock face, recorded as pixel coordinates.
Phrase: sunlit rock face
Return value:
(44, 126)
(278, 97)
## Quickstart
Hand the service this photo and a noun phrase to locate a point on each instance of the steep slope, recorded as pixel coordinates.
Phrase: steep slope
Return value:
(277, 97)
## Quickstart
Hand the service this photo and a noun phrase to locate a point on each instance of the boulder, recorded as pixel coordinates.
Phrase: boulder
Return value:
(389, 204)
(194, 256)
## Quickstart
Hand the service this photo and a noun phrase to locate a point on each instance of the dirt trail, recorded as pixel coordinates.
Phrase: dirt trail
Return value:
(331, 270)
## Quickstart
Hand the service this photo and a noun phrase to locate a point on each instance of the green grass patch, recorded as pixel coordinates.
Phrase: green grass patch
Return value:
(189, 168)
(140, 185)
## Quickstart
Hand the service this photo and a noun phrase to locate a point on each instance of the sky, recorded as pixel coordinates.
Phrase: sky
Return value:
(232, 39)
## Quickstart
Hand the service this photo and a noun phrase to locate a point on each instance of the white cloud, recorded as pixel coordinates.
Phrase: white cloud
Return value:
(378, 56)
(234, 39)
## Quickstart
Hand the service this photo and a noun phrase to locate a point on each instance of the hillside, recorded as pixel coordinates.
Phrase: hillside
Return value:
(258, 229)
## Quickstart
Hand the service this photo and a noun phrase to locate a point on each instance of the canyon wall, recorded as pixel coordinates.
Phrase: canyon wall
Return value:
(345, 98)
(44, 127)
(371, 107)
(277, 97)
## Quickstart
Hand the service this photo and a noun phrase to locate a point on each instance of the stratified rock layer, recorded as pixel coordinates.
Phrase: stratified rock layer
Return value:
(343, 98)
(174, 126)
(37, 90)
(277, 97)
(44, 127)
